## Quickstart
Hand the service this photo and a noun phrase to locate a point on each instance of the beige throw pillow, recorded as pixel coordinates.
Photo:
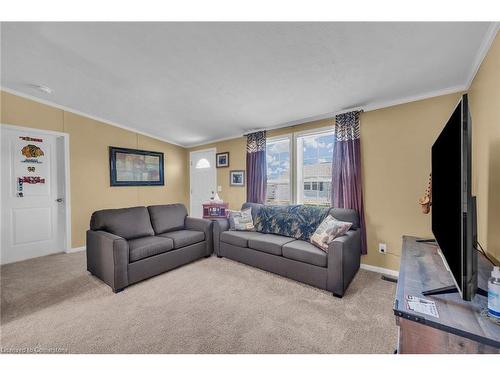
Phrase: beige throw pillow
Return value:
(329, 229)
(241, 220)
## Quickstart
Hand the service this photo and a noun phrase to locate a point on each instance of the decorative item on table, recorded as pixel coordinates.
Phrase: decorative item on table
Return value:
(215, 208)
(222, 160)
(130, 167)
(237, 178)
(426, 200)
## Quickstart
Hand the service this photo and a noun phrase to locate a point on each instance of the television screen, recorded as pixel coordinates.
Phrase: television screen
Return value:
(447, 192)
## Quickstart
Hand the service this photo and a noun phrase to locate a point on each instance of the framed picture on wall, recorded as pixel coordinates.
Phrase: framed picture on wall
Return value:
(222, 159)
(129, 167)
(237, 178)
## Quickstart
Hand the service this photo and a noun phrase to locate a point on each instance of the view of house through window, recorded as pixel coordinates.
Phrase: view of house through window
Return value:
(312, 177)
(314, 168)
(278, 171)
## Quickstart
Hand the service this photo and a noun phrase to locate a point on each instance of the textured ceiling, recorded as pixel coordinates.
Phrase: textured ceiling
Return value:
(191, 83)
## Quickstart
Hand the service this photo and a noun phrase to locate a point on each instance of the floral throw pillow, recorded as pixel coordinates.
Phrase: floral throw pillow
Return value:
(328, 230)
(241, 220)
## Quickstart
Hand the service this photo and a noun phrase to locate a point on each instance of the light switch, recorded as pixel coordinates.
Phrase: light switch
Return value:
(219, 189)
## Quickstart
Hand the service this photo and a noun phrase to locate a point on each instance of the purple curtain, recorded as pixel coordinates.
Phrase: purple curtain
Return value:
(346, 168)
(256, 167)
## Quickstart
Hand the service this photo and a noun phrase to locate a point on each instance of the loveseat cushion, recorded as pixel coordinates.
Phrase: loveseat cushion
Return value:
(269, 243)
(167, 217)
(306, 252)
(238, 238)
(145, 247)
(128, 223)
(184, 237)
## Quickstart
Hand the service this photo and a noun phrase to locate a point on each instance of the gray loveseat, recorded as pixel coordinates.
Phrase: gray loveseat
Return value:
(295, 259)
(128, 245)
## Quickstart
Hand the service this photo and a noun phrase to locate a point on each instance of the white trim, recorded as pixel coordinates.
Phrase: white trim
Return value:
(211, 149)
(84, 114)
(67, 181)
(385, 271)
(369, 107)
(482, 51)
(315, 131)
(75, 250)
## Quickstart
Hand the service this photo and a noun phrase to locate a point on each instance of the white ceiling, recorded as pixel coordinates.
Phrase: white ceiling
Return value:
(191, 83)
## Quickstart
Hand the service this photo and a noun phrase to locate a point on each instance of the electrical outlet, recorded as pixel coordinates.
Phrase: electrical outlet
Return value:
(382, 248)
(219, 189)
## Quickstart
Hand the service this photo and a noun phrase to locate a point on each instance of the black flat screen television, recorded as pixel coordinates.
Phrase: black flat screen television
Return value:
(453, 206)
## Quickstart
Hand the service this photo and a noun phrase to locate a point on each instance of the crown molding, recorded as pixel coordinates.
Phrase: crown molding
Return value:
(368, 107)
(482, 52)
(80, 113)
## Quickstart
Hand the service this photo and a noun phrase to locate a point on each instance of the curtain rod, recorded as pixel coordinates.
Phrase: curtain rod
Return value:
(304, 121)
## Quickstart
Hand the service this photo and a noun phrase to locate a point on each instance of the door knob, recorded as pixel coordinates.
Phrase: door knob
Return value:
(59, 200)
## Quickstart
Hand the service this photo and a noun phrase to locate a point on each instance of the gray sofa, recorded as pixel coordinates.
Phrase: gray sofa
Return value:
(128, 245)
(295, 259)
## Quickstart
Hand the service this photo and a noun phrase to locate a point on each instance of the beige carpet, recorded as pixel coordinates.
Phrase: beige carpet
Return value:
(51, 304)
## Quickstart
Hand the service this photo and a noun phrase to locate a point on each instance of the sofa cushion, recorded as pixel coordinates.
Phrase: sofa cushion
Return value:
(167, 217)
(128, 223)
(241, 220)
(305, 252)
(269, 243)
(184, 237)
(145, 247)
(297, 221)
(255, 209)
(346, 214)
(328, 230)
(238, 238)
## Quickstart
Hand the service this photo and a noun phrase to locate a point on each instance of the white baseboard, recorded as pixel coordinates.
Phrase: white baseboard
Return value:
(385, 271)
(75, 249)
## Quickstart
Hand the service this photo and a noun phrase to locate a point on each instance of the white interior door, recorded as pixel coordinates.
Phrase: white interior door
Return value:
(203, 179)
(33, 186)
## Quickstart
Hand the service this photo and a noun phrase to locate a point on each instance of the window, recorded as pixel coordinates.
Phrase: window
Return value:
(278, 171)
(314, 154)
(202, 163)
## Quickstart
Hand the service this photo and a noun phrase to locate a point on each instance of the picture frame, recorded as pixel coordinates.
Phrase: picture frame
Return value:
(222, 160)
(237, 178)
(131, 167)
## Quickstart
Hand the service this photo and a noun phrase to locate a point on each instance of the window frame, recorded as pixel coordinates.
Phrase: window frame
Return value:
(295, 172)
(297, 158)
(289, 137)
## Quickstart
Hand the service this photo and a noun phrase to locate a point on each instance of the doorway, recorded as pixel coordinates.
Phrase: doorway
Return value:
(35, 197)
(202, 179)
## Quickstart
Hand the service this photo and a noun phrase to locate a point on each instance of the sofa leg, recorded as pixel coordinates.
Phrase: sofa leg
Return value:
(208, 256)
(337, 295)
(219, 256)
(118, 290)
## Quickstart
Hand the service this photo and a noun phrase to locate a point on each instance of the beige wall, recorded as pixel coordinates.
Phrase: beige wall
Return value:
(395, 146)
(89, 141)
(395, 143)
(484, 96)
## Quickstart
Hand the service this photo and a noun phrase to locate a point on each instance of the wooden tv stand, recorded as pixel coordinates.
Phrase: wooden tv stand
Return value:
(461, 327)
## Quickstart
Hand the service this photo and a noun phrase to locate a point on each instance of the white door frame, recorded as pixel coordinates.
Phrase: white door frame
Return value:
(67, 187)
(214, 149)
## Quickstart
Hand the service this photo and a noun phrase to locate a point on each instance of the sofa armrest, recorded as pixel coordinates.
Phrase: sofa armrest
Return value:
(108, 258)
(344, 257)
(220, 225)
(202, 225)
